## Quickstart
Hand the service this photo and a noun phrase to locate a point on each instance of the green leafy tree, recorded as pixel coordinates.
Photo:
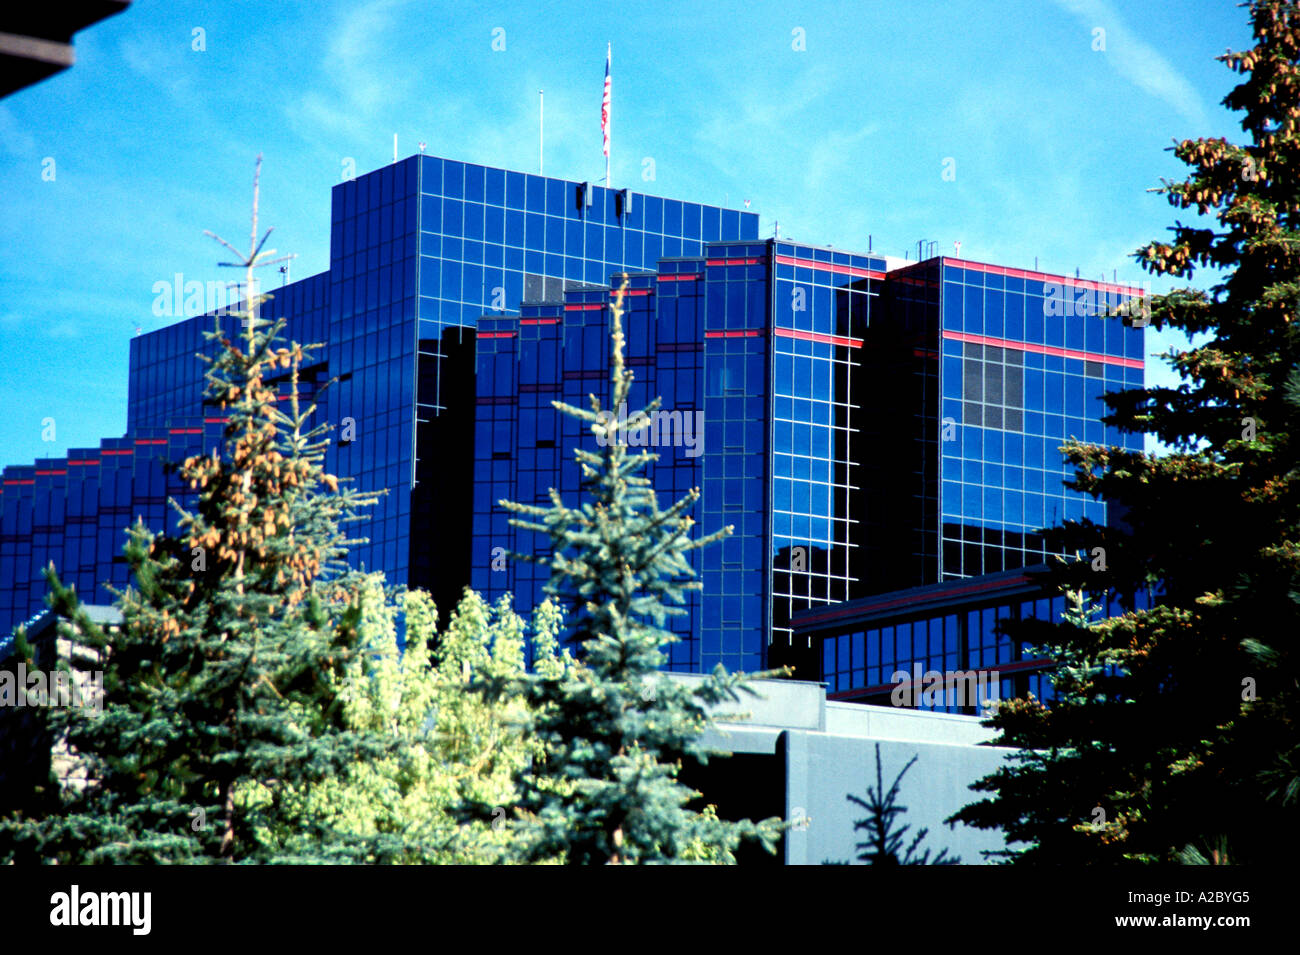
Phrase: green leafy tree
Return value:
(454, 745)
(1177, 728)
(884, 836)
(226, 680)
(615, 729)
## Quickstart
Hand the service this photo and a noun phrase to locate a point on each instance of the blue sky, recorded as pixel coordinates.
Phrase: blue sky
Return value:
(1054, 142)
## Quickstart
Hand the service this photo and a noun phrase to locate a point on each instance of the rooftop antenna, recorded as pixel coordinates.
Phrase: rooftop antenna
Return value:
(422, 145)
(541, 132)
(394, 147)
(956, 247)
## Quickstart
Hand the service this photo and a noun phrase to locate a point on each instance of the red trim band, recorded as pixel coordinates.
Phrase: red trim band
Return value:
(829, 267)
(1042, 349)
(1045, 277)
(818, 337)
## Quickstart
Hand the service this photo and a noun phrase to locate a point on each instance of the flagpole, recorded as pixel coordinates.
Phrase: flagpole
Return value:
(609, 60)
(541, 132)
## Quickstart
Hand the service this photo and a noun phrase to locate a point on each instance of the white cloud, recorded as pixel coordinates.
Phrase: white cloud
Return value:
(1137, 61)
(363, 76)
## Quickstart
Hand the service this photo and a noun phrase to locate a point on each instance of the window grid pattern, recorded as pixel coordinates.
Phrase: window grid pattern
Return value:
(735, 470)
(821, 307)
(372, 346)
(490, 240)
(1008, 408)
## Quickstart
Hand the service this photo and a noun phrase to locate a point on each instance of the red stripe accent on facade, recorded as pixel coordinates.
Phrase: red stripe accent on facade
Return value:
(829, 267)
(1042, 349)
(83, 462)
(678, 278)
(50, 473)
(26, 481)
(584, 307)
(539, 321)
(200, 430)
(735, 333)
(1044, 277)
(631, 291)
(749, 261)
(151, 441)
(818, 337)
(111, 451)
(496, 334)
(216, 420)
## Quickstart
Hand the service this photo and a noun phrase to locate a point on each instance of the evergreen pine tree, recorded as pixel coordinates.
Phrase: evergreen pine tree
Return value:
(224, 687)
(615, 729)
(1177, 725)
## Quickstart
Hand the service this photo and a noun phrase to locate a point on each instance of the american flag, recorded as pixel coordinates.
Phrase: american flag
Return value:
(604, 107)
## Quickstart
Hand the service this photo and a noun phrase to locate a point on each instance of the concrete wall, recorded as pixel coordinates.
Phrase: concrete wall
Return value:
(821, 751)
(822, 769)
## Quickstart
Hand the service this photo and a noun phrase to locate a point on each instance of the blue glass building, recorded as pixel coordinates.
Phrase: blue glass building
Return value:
(750, 346)
(985, 372)
(955, 627)
(418, 250)
(864, 429)
(864, 425)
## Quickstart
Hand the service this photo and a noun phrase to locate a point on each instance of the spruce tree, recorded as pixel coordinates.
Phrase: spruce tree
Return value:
(614, 728)
(224, 686)
(1176, 733)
